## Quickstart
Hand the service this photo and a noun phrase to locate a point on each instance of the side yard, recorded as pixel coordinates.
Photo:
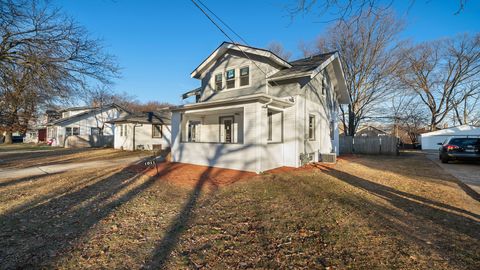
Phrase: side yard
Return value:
(365, 212)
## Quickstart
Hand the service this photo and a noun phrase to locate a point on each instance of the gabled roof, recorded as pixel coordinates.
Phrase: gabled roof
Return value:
(303, 66)
(158, 117)
(225, 46)
(89, 111)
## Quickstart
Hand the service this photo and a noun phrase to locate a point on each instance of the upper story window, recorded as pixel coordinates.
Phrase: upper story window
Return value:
(218, 82)
(230, 78)
(244, 76)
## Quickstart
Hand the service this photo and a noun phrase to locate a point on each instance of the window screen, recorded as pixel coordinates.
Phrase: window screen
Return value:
(230, 78)
(244, 76)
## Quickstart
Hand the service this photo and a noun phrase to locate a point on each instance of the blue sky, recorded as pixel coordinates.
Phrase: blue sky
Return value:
(158, 43)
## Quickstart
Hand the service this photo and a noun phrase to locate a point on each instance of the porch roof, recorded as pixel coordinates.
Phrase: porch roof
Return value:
(262, 98)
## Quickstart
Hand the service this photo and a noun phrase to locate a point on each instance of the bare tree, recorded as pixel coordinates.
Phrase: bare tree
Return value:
(439, 72)
(278, 49)
(407, 114)
(49, 53)
(368, 51)
(466, 105)
(348, 10)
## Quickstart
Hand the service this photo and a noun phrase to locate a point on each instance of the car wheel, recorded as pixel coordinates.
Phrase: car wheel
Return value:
(444, 160)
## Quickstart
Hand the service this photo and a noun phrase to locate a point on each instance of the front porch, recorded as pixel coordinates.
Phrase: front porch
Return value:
(247, 136)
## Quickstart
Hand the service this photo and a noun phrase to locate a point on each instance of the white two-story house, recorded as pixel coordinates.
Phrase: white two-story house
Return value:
(255, 111)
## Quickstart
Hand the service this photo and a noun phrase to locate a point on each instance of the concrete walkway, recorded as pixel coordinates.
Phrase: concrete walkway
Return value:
(58, 168)
(468, 173)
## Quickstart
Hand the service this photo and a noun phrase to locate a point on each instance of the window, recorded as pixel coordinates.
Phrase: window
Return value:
(311, 127)
(72, 131)
(95, 131)
(275, 126)
(244, 76)
(52, 132)
(332, 130)
(230, 78)
(324, 84)
(193, 131)
(123, 130)
(270, 125)
(157, 131)
(218, 82)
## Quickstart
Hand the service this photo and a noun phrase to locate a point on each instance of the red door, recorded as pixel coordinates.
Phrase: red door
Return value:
(42, 135)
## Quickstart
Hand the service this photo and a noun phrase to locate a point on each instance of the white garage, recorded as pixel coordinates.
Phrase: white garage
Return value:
(430, 140)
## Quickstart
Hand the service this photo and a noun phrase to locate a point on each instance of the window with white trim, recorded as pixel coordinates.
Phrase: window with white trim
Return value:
(244, 76)
(193, 131)
(157, 131)
(332, 130)
(311, 127)
(230, 75)
(218, 82)
(69, 131)
(275, 126)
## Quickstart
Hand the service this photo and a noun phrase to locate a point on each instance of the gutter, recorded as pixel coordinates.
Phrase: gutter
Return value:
(257, 97)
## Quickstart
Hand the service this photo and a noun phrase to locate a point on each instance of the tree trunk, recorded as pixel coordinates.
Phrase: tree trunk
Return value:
(8, 138)
(351, 121)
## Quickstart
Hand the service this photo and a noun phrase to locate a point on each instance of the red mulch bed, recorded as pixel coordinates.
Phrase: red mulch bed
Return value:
(184, 174)
(190, 175)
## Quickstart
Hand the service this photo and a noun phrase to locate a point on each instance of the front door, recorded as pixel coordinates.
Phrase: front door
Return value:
(226, 129)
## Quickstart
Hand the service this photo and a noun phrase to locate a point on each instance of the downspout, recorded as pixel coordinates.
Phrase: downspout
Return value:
(268, 103)
(134, 126)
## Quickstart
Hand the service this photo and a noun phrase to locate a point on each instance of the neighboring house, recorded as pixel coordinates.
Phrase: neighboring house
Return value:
(37, 133)
(255, 111)
(370, 131)
(430, 140)
(85, 126)
(143, 131)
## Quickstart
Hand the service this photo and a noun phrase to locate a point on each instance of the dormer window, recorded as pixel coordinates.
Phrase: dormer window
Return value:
(218, 82)
(244, 76)
(230, 78)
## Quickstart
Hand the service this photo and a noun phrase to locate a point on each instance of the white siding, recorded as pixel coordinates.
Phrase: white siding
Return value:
(143, 137)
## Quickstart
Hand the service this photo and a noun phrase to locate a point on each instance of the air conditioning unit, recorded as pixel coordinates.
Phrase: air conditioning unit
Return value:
(327, 157)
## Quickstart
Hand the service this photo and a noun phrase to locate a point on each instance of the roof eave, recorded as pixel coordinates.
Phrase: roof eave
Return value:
(225, 46)
(263, 98)
(293, 76)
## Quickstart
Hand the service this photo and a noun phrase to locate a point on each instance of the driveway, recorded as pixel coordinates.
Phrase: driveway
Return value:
(468, 173)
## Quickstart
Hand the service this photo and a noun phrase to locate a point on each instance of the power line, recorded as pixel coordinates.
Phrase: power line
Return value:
(231, 40)
(224, 23)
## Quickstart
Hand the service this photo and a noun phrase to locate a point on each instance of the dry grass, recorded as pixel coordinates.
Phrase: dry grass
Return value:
(366, 212)
(60, 156)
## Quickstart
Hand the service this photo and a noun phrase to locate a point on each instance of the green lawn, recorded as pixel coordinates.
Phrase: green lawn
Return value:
(366, 212)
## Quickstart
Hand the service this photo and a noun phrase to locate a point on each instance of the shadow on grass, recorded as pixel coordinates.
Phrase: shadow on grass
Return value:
(437, 212)
(16, 181)
(33, 235)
